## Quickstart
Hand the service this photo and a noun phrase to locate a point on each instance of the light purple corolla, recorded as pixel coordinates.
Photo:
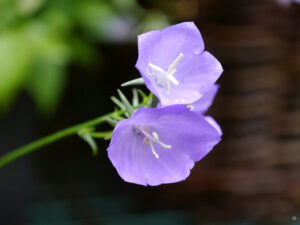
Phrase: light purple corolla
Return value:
(160, 145)
(202, 105)
(175, 66)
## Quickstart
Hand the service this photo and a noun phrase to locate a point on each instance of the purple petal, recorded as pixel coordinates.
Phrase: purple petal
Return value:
(191, 137)
(195, 72)
(214, 124)
(203, 104)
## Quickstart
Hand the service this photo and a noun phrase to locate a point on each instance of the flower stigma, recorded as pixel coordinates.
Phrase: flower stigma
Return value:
(162, 77)
(152, 138)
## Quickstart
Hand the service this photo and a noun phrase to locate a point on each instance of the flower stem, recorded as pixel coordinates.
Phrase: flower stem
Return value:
(35, 145)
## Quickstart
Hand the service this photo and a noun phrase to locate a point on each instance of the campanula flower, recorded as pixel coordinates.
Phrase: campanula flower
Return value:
(160, 145)
(175, 66)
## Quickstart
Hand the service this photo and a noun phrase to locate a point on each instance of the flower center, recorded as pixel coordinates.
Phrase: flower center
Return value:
(152, 138)
(163, 78)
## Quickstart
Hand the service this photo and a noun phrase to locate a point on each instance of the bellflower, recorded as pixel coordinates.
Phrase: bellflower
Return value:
(175, 66)
(160, 145)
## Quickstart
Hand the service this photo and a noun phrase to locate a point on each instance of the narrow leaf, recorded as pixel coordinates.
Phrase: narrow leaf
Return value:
(126, 103)
(85, 135)
(137, 81)
(111, 121)
(106, 135)
(118, 103)
(135, 98)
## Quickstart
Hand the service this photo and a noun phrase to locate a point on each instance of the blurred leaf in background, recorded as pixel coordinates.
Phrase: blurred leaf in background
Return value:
(40, 38)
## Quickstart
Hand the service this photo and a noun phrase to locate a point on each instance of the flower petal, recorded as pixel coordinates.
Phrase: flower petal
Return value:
(203, 104)
(214, 124)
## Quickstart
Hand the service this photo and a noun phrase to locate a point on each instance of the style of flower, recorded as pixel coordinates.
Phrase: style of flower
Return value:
(160, 145)
(175, 66)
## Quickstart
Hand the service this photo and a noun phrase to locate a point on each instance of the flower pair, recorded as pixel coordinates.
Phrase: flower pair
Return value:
(160, 145)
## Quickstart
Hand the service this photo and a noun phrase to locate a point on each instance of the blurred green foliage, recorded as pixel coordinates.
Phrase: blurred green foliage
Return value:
(40, 38)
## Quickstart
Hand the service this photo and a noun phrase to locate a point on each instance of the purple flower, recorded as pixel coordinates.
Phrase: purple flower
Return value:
(175, 66)
(160, 145)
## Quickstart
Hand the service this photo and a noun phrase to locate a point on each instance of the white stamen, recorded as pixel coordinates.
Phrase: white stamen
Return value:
(164, 77)
(156, 68)
(155, 135)
(175, 63)
(153, 150)
(151, 139)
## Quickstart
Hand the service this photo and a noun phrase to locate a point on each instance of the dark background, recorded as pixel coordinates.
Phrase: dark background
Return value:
(251, 177)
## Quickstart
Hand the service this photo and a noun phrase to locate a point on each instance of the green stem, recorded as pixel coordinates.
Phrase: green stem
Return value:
(33, 146)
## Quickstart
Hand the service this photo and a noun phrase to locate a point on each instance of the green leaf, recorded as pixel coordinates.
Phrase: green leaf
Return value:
(137, 81)
(135, 98)
(111, 121)
(106, 135)
(118, 102)
(126, 103)
(15, 61)
(46, 85)
(85, 134)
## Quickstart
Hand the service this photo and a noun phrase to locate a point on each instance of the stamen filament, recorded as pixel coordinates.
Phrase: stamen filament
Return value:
(175, 63)
(156, 68)
(155, 135)
(165, 76)
(153, 150)
(150, 139)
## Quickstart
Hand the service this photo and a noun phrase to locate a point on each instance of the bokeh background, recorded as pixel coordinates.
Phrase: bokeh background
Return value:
(61, 60)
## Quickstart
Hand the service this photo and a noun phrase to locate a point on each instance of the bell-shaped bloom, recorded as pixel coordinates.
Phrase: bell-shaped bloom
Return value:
(202, 105)
(160, 145)
(175, 66)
